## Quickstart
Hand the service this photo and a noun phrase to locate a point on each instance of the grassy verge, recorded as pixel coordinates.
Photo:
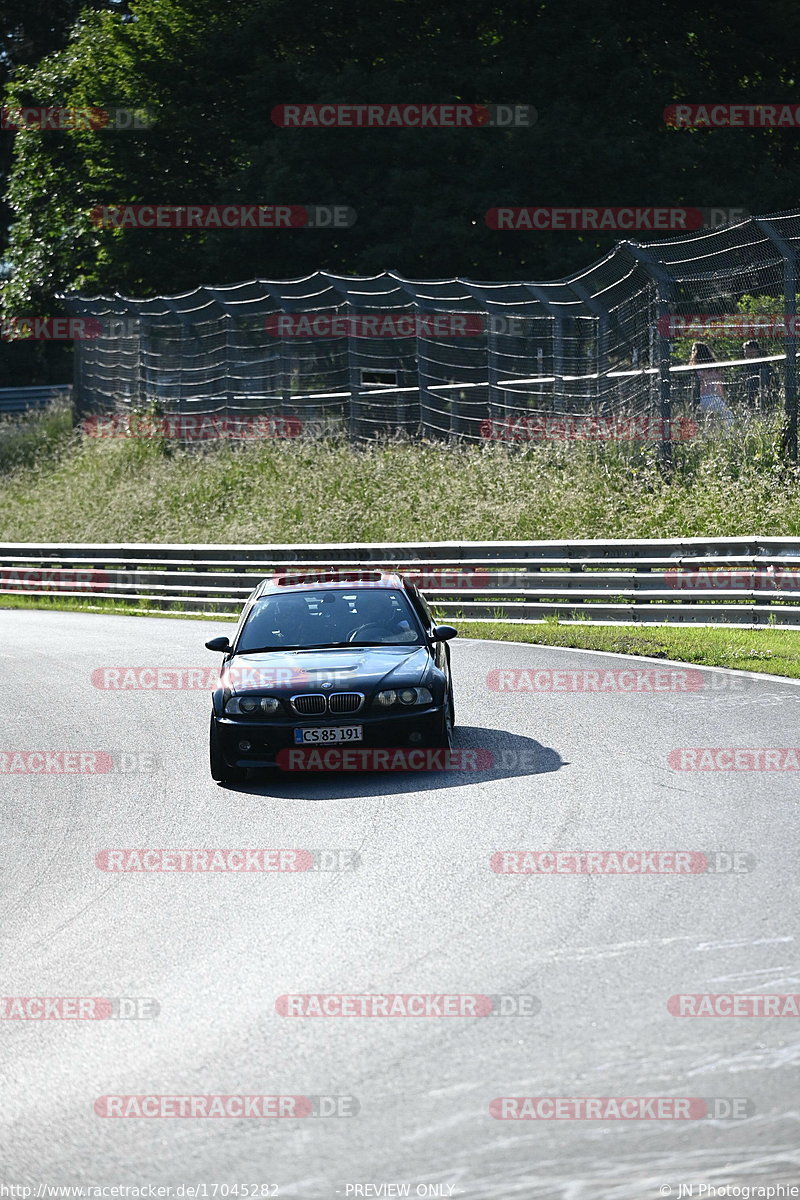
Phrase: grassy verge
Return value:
(80, 488)
(35, 438)
(770, 651)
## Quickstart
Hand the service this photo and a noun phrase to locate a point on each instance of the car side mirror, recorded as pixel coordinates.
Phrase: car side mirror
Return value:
(219, 643)
(443, 633)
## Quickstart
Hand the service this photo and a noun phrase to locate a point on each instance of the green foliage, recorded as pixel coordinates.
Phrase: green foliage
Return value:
(598, 74)
(727, 348)
(308, 491)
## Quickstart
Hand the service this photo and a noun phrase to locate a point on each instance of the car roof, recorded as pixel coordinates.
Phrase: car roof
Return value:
(312, 581)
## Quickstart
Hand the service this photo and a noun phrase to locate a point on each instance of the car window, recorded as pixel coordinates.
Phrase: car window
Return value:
(367, 615)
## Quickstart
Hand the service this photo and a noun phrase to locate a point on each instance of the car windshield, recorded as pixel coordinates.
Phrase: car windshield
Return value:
(330, 617)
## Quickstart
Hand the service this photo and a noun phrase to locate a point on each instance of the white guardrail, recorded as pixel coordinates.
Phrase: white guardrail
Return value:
(701, 581)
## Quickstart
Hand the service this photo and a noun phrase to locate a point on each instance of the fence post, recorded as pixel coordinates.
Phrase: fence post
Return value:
(663, 284)
(789, 256)
(78, 402)
(354, 380)
(558, 343)
(664, 380)
(428, 416)
(492, 374)
(601, 332)
(143, 382)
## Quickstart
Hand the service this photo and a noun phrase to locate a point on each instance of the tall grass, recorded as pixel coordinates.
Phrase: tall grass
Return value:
(60, 486)
(35, 437)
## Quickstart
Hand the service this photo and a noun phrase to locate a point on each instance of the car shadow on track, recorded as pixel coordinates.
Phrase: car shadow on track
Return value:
(501, 755)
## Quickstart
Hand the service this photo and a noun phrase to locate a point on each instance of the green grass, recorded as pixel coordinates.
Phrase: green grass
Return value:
(35, 438)
(771, 651)
(76, 488)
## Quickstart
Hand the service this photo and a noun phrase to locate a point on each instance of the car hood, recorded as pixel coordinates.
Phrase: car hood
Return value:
(362, 668)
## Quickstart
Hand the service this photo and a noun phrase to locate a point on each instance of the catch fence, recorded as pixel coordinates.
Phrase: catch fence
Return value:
(603, 353)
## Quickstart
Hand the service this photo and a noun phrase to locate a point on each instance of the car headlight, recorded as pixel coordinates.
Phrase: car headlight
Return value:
(250, 706)
(405, 696)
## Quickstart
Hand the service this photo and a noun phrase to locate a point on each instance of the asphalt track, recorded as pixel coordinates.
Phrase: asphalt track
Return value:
(422, 913)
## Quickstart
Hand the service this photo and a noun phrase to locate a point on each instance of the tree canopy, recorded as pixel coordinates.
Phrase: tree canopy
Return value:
(209, 72)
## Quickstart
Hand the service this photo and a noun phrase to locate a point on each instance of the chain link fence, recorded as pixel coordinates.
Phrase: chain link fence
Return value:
(606, 353)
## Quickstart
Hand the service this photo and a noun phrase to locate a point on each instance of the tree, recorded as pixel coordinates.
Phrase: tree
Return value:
(211, 73)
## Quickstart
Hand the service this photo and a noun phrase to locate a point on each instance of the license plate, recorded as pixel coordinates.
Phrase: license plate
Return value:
(334, 733)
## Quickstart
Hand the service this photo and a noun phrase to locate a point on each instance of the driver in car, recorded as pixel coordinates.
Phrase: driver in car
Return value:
(380, 620)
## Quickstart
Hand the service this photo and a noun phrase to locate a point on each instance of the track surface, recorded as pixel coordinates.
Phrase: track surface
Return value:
(423, 913)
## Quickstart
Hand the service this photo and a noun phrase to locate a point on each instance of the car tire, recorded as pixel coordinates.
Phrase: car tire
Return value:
(220, 771)
(444, 736)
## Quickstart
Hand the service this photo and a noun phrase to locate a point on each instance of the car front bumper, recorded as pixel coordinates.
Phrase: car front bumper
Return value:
(267, 738)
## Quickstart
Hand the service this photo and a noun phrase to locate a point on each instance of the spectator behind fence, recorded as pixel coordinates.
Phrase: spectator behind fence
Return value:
(759, 378)
(709, 384)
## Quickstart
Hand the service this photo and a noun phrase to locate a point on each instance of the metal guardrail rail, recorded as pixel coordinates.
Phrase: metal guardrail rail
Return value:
(14, 400)
(747, 582)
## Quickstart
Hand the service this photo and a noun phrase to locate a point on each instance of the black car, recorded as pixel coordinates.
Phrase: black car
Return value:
(330, 660)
